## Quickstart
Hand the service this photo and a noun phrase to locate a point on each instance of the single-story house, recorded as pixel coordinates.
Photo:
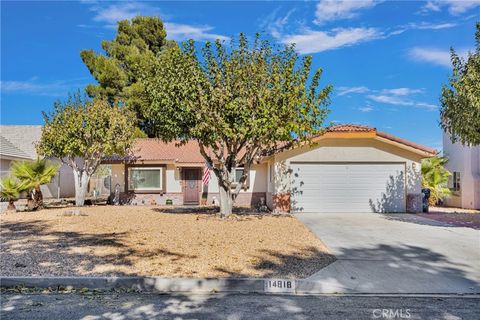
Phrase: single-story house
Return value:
(17, 143)
(350, 168)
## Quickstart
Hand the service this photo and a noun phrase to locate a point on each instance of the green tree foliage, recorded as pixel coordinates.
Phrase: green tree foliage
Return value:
(129, 55)
(33, 174)
(81, 132)
(239, 102)
(435, 177)
(10, 189)
(460, 112)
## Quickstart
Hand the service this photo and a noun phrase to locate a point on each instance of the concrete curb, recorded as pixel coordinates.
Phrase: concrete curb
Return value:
(144, 284)
(200, 285)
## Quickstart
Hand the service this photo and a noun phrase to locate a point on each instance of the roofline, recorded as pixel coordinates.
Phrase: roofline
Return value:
(7, 156)
(421, 150)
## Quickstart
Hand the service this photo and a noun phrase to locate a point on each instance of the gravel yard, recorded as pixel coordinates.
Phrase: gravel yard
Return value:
(145, 241)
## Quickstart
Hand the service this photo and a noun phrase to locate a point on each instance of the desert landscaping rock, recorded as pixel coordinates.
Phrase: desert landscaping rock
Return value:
(143, 241)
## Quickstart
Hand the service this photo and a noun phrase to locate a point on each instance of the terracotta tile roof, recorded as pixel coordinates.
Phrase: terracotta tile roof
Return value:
(154, 149)
(349, 128)
(360, 128)
(406, 142)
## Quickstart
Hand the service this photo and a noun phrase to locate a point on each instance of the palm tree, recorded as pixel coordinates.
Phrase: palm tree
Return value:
(435, 177)
(10, 189)
(34, 174)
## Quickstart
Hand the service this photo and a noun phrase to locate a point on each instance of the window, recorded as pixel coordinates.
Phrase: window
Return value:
(271, 172)
(456, 181)
(145, 178)
(238, 174)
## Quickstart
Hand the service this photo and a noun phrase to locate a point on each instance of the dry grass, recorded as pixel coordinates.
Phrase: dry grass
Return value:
(143, 241)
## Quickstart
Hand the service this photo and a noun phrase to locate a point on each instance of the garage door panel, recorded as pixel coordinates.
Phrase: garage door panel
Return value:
(346, 187)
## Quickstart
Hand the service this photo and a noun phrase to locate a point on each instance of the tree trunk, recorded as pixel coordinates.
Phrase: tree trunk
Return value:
(81, 183)
(11, 204)
(226, 202)
(37, 197)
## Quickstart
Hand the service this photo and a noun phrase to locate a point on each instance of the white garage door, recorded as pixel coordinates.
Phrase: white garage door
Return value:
(344, 187)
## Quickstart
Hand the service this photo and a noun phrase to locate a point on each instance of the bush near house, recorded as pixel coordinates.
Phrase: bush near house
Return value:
(10, 189)
(31, 175)
(435, 177)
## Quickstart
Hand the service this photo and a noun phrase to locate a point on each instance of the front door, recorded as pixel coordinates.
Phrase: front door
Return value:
(191, 185)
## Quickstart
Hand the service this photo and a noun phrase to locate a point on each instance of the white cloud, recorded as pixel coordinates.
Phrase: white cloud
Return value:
(455, 7)
(401, 91)
(402, 96)
(435, 56)
(432, 26)
(440, 57)
(401, 101)
(274, 24)
(422, 26)
(395, 96)
(366, 109)
(32, 86)
(341, 91)
(432, 6)
(331, 10)
(180, 32)
(318, 41)
(111, 14)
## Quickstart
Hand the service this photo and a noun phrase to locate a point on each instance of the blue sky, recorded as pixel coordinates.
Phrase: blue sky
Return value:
(386, 60)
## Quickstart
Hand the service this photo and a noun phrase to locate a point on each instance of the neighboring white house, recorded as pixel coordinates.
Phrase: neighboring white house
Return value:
(17, 142)
(464, 164)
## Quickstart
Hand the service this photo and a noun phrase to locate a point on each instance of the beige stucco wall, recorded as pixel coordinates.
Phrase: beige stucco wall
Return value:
(174, 179)
(348, 150)
(118, 176)
(258, 180)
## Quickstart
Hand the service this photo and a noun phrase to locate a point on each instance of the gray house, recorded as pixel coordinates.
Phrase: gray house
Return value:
(17, 142)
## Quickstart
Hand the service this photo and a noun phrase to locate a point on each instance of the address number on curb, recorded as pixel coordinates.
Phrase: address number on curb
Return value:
(279, 286)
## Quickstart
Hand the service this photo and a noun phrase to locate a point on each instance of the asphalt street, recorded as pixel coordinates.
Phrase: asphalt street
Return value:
(233, 306)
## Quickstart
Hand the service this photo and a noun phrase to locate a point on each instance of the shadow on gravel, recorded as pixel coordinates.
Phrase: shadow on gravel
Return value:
(301, 264)
(56, 252)
(34, 249)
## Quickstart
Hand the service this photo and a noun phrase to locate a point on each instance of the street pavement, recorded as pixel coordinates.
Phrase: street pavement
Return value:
(123, 306)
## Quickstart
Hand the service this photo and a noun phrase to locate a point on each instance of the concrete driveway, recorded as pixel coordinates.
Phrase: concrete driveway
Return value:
(395, 253)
